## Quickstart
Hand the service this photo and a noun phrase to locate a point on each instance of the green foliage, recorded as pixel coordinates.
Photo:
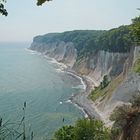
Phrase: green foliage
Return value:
(15, 130)
(136, 67)
(124, 112)
(90, 130)
(136, 20)
(99, 91)
(84, 129)
(136, 101)
(83, 40)
(135, 30)
(120, 114)
(3, 11)
(115, 133)
(96, 93)
(88, 42)
(64, 133)
(116, 40)
(40, 2)
(105, 82)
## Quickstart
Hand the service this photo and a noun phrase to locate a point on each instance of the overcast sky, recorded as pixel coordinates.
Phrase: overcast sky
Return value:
(26, 20)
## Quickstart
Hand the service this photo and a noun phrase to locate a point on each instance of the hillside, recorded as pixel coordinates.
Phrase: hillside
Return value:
(88, 41)
(95, 55)
(92, 53)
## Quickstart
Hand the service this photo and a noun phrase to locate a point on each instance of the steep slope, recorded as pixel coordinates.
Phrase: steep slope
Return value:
(92, 53)
(124, 91)
(102, 63)
(95, 54)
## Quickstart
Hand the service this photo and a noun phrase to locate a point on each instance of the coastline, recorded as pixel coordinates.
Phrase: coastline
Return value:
(80, 100)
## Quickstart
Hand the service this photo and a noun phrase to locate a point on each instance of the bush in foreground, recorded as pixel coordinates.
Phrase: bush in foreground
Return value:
(84, 129)
(127, 121)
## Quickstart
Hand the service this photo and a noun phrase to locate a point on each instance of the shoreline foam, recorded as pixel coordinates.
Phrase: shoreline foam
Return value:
(80, 100)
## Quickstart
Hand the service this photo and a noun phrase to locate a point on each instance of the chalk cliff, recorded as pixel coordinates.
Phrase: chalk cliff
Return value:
(81, 52)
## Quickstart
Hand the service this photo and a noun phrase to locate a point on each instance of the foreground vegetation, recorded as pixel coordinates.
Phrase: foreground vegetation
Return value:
(85, 129)
(126, 117)
(16, 130)
(126, 125)
(4, 12)
(127, 120)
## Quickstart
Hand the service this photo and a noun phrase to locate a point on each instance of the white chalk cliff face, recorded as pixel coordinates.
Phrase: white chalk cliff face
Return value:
(61, 51)
(102, 63)
(124, 92)
(95, 66)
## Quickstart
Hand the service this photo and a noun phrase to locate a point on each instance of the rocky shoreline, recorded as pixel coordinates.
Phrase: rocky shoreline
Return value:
(81, 99)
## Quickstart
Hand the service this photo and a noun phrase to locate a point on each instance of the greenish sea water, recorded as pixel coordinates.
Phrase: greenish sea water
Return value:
(27, 76)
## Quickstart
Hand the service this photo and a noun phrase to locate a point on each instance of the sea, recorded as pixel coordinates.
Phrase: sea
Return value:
(40, 82)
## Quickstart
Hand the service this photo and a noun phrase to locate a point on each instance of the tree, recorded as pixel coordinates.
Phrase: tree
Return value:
(84, 129)
(136, 29)
(64, 133)
(3, 11)
(88, 129)
(105, 82)
(40, 2)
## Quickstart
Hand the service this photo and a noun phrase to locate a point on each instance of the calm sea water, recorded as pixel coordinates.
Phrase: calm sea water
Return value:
(25, 76)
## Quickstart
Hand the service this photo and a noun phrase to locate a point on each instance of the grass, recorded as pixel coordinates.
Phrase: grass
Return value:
(136, 67)
(96, 93)
(101, 93)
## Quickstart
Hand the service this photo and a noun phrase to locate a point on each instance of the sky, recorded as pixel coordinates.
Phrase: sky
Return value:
(26, 20)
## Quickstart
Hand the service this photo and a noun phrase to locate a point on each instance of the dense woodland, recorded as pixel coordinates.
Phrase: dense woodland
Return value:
(119, 39)
(88, 41)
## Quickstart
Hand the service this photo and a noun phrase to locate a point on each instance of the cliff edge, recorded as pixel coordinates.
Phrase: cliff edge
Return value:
(94, 54)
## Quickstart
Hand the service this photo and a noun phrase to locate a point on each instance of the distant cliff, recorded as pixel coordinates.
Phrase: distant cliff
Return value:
(96, 54)
(110, 57)
(123, 87)
(92, 53)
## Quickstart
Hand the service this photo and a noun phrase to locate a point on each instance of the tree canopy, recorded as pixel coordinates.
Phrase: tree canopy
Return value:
(40, 2)
(3, 11)
(84, 129)
(136, 29)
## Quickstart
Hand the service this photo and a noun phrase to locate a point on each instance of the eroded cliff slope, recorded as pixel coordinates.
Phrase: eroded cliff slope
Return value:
(95, 54)
(84, 52)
